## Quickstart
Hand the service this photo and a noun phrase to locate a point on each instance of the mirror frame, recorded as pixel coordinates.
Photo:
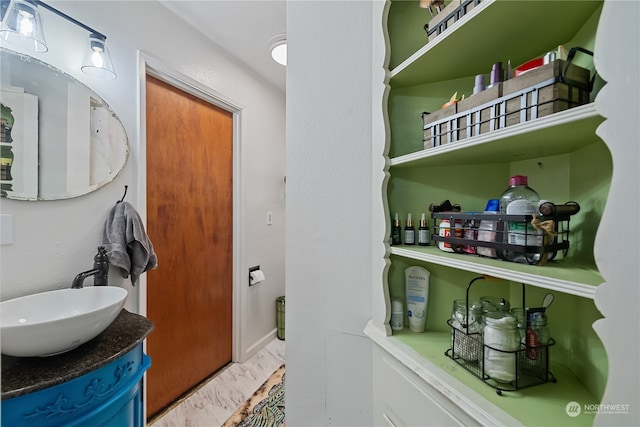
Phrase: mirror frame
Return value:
(40, 173)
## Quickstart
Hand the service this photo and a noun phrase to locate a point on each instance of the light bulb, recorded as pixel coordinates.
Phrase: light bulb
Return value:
(96, 59)
(25, 23)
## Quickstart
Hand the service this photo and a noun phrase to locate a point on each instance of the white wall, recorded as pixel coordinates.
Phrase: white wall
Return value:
(55, 240)
(329, 199)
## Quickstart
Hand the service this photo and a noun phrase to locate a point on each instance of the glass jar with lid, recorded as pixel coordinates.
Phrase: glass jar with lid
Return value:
(491, 303)
(520, 314)
(466, 339)
(501, 342)
(537, 333)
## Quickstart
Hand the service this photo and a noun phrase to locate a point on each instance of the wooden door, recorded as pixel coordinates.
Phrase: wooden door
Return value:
(190, 222)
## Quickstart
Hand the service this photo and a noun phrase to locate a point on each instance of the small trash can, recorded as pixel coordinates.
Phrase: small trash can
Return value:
(280, 317)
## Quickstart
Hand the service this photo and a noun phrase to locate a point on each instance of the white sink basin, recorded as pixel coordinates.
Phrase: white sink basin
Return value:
(53, 322)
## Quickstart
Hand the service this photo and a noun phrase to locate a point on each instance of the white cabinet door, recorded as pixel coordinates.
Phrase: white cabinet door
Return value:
(401, 398)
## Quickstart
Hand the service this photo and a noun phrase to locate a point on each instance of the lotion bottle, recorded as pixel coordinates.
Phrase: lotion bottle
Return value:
(417, 290)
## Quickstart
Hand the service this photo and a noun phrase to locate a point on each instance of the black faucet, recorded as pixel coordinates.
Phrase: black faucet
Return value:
(100, 271)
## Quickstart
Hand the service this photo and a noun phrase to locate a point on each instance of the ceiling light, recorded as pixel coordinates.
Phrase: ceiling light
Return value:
(22, 26)
(278, 48)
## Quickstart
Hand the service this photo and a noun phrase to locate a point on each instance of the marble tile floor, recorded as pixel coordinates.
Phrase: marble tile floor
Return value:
(213, 402)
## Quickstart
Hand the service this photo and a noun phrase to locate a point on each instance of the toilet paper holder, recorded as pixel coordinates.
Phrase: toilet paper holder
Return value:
(255, 275)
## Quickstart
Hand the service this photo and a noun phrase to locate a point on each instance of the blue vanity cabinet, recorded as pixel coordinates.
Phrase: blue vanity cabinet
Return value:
(109, 396)
(96, 384)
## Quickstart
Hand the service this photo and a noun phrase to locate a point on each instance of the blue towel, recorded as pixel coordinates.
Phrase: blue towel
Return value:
(127, 244)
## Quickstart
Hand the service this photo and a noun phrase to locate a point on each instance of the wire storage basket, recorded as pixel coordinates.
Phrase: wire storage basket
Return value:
(505, 368)
(536, 245)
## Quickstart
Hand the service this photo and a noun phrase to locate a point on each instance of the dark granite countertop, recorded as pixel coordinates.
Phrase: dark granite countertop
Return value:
(23, 375)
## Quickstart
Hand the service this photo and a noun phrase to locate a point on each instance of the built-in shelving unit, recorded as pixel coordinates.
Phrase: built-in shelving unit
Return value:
(556, 151)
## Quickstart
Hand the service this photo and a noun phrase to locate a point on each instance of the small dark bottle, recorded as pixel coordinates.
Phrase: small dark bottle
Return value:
(423, 232)
(396, 232)
(409, 232)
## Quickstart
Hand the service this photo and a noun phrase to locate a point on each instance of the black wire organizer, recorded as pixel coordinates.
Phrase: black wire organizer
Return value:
(450, 18)
(516, 105)
(468, 350)
(557, 240)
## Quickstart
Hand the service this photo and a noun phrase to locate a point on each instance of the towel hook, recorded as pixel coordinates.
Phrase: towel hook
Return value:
(124, 195)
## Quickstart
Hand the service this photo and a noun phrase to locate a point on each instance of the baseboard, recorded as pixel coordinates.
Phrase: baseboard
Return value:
(259, 345)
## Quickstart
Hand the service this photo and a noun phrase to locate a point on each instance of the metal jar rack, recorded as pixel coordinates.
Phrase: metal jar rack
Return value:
(468, 350)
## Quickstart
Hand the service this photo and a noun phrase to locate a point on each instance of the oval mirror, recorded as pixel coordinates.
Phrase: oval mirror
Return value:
(58, 138)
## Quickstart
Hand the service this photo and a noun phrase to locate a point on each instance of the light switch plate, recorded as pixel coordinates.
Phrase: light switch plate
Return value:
(6, 229)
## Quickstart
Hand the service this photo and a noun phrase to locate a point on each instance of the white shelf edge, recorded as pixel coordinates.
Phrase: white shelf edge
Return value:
(582, 112)
(430, 45)
(565, 286)
(468, 400)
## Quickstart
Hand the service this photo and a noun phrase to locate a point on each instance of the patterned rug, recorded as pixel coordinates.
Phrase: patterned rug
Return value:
(265, 408)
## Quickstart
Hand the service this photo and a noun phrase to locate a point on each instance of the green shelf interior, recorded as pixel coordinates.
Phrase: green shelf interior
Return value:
(578, 350)
(515, 30)
(541, 405)
(559, 178)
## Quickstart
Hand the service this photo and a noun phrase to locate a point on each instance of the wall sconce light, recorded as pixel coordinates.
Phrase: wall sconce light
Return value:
(22, 26)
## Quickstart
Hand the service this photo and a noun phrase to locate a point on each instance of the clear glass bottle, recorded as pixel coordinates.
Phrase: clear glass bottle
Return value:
(520, 199)
(501, 342)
